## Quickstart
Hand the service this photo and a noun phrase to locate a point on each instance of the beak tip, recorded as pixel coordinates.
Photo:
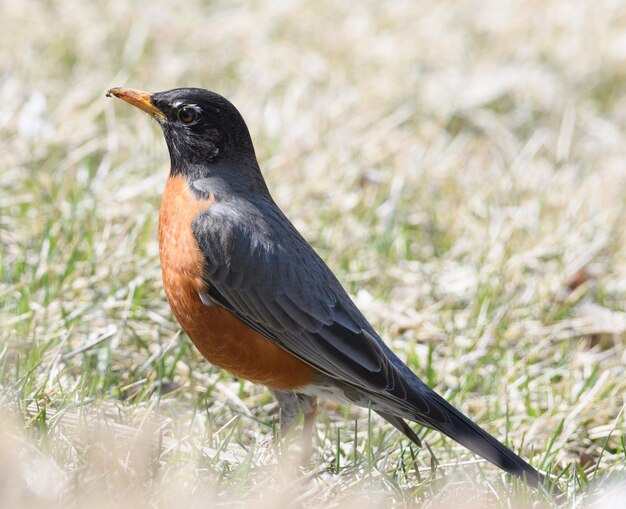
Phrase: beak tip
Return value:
(137, 98)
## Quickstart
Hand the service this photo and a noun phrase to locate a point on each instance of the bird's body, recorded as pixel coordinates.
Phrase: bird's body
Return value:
(256, 299)
(220, 337)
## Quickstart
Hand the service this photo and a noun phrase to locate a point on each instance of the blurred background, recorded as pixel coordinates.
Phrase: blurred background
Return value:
(459, 165)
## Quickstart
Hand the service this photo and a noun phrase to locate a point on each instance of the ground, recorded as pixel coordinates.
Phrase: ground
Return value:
(459, 165)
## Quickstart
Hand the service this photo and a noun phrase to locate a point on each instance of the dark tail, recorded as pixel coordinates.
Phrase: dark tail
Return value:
(467, 433)
(426, 407)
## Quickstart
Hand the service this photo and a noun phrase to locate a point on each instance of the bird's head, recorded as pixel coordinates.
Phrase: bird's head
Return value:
(205, 134)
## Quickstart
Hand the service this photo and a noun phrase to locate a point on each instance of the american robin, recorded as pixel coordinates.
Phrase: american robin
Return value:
(257, 300)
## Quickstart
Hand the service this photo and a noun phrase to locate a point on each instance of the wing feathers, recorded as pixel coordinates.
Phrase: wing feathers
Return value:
(270, 278)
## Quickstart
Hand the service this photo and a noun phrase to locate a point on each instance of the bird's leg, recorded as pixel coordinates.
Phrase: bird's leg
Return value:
(291, 404)
(310, 412)
(290, 408)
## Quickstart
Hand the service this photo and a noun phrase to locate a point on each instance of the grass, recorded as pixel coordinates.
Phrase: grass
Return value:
(459, 166)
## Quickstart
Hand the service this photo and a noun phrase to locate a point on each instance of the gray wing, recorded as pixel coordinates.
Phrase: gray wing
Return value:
(261, 269)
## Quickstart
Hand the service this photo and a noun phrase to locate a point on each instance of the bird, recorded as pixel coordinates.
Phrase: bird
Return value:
(257, 300)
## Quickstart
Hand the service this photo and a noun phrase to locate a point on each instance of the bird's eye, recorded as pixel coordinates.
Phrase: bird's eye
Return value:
(188, 114)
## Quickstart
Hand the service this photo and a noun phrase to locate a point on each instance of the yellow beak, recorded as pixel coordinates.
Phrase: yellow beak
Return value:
(138, 98)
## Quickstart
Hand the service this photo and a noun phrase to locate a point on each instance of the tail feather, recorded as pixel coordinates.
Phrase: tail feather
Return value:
(466, 432)
(402, 426)
(443, 417)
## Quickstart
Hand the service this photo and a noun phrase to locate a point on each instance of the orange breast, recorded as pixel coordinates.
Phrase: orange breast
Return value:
(221, 337)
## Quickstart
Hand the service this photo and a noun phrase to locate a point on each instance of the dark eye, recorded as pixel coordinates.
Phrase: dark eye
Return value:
(187, 114)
